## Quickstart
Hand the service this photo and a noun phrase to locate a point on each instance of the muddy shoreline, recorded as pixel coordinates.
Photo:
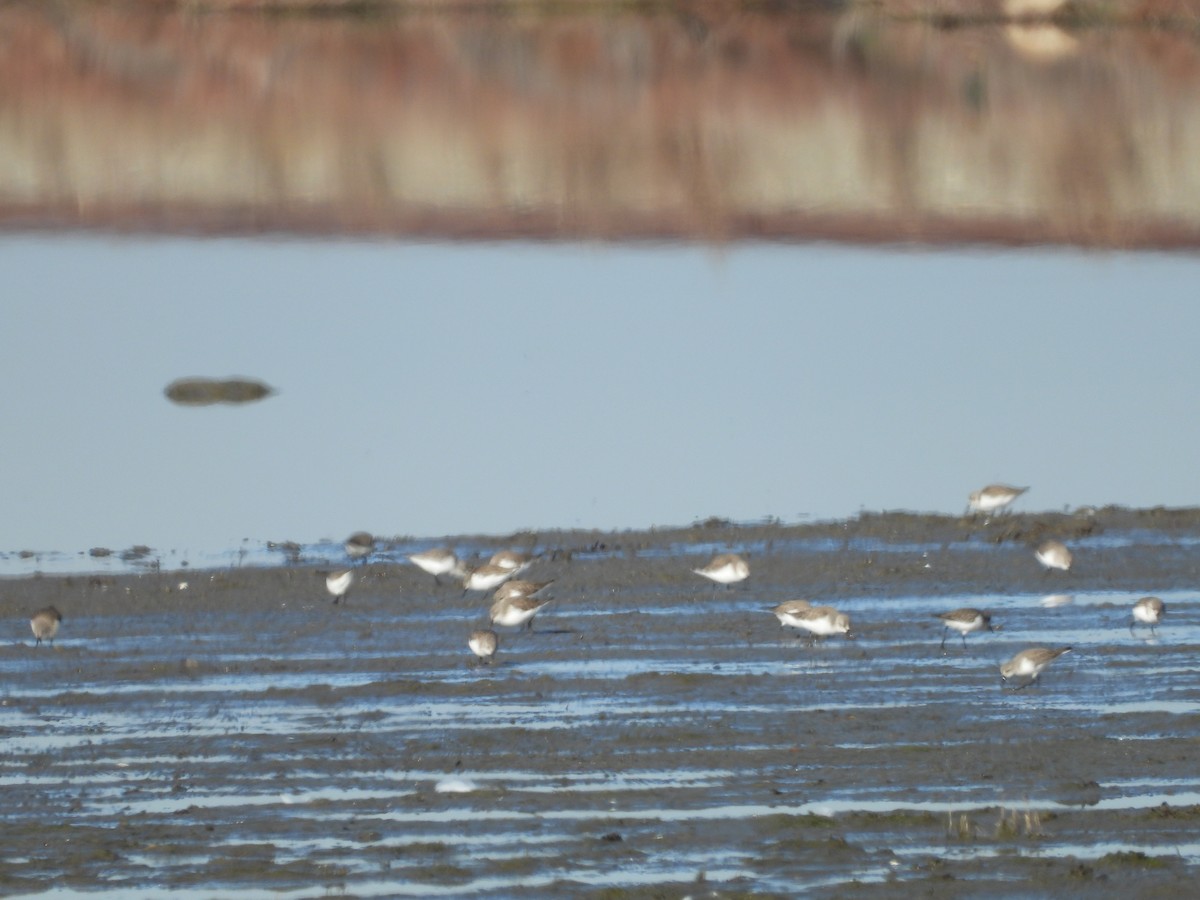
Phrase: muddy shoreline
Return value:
(865, 554)
(651, 736)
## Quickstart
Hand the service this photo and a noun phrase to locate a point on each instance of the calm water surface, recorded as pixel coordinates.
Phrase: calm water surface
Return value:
(598, 268)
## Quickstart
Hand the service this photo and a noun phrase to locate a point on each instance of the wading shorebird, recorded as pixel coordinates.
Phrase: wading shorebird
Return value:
(45, 624)
(993, 497)
(1148, 611)
(486, 578)
(515, 612)
(510, 559)
(483, 644)
(1029, 663)
(726, 569)
(821, 621)
(1054, 555)
(338, 583)
(510, 590)
(787, 612)
(438, 562)
(964, 621)
(359, 545)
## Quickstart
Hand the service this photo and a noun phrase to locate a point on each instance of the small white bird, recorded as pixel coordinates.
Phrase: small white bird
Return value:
(437, 562)
(1148, 611)
(45, 624)
(964, 621)
(486, 578)
(513, 589)
(725, 569)
(1054, 555)
(483, 644)
(338, 583)
(516, 612)
(993, 497)
(821, 621)
(788, 611)
(510, 559)
(359, 545)
(1029, 663)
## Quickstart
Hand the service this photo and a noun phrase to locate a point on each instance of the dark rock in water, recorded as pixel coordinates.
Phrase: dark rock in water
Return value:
(209, 391)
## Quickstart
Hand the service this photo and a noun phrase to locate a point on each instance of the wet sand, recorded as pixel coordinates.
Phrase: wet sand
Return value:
(651, 736)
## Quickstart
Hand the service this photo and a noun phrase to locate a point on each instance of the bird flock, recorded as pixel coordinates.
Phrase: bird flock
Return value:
(1023, 669)
(515, 602)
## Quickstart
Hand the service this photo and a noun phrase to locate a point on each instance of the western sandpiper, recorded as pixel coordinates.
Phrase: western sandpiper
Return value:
(1054, 555)
(437, 562)
(513, 589)
(510, 559)
(787, 612)
(1029, 663)
(516, 611)
(993, 497)
(45, 624)
(483, 644)
(1148, 611)
(964, 621)
(337, 583)
(360, 545)
(821, 621)
(725, 569)
(486, 577)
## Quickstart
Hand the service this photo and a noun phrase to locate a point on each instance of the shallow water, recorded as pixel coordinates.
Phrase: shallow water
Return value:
(246, 735)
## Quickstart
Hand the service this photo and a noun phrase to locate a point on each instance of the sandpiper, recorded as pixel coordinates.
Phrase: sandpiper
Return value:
(510, 559)
(1030, 663)
(359, 545)
(787, 612)
(1148, 611)
(964, 621)
(821, 621)
(1054, 555)
(993, 497)
(483, 644)
(45, 624)
(337, 583)
(516, 611)
(510, 590)
(486, 577)
(725, 569)
(437, 562)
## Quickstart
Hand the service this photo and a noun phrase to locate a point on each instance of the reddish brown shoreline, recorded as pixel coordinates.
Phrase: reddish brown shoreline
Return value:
(713, 123)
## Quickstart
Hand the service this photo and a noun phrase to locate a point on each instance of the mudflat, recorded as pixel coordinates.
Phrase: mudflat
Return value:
(233, 733)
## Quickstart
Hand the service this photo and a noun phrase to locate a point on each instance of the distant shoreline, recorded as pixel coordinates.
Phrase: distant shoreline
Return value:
(885, 527)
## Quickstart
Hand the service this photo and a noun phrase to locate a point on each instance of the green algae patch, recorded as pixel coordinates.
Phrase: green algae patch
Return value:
(1132, 859)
